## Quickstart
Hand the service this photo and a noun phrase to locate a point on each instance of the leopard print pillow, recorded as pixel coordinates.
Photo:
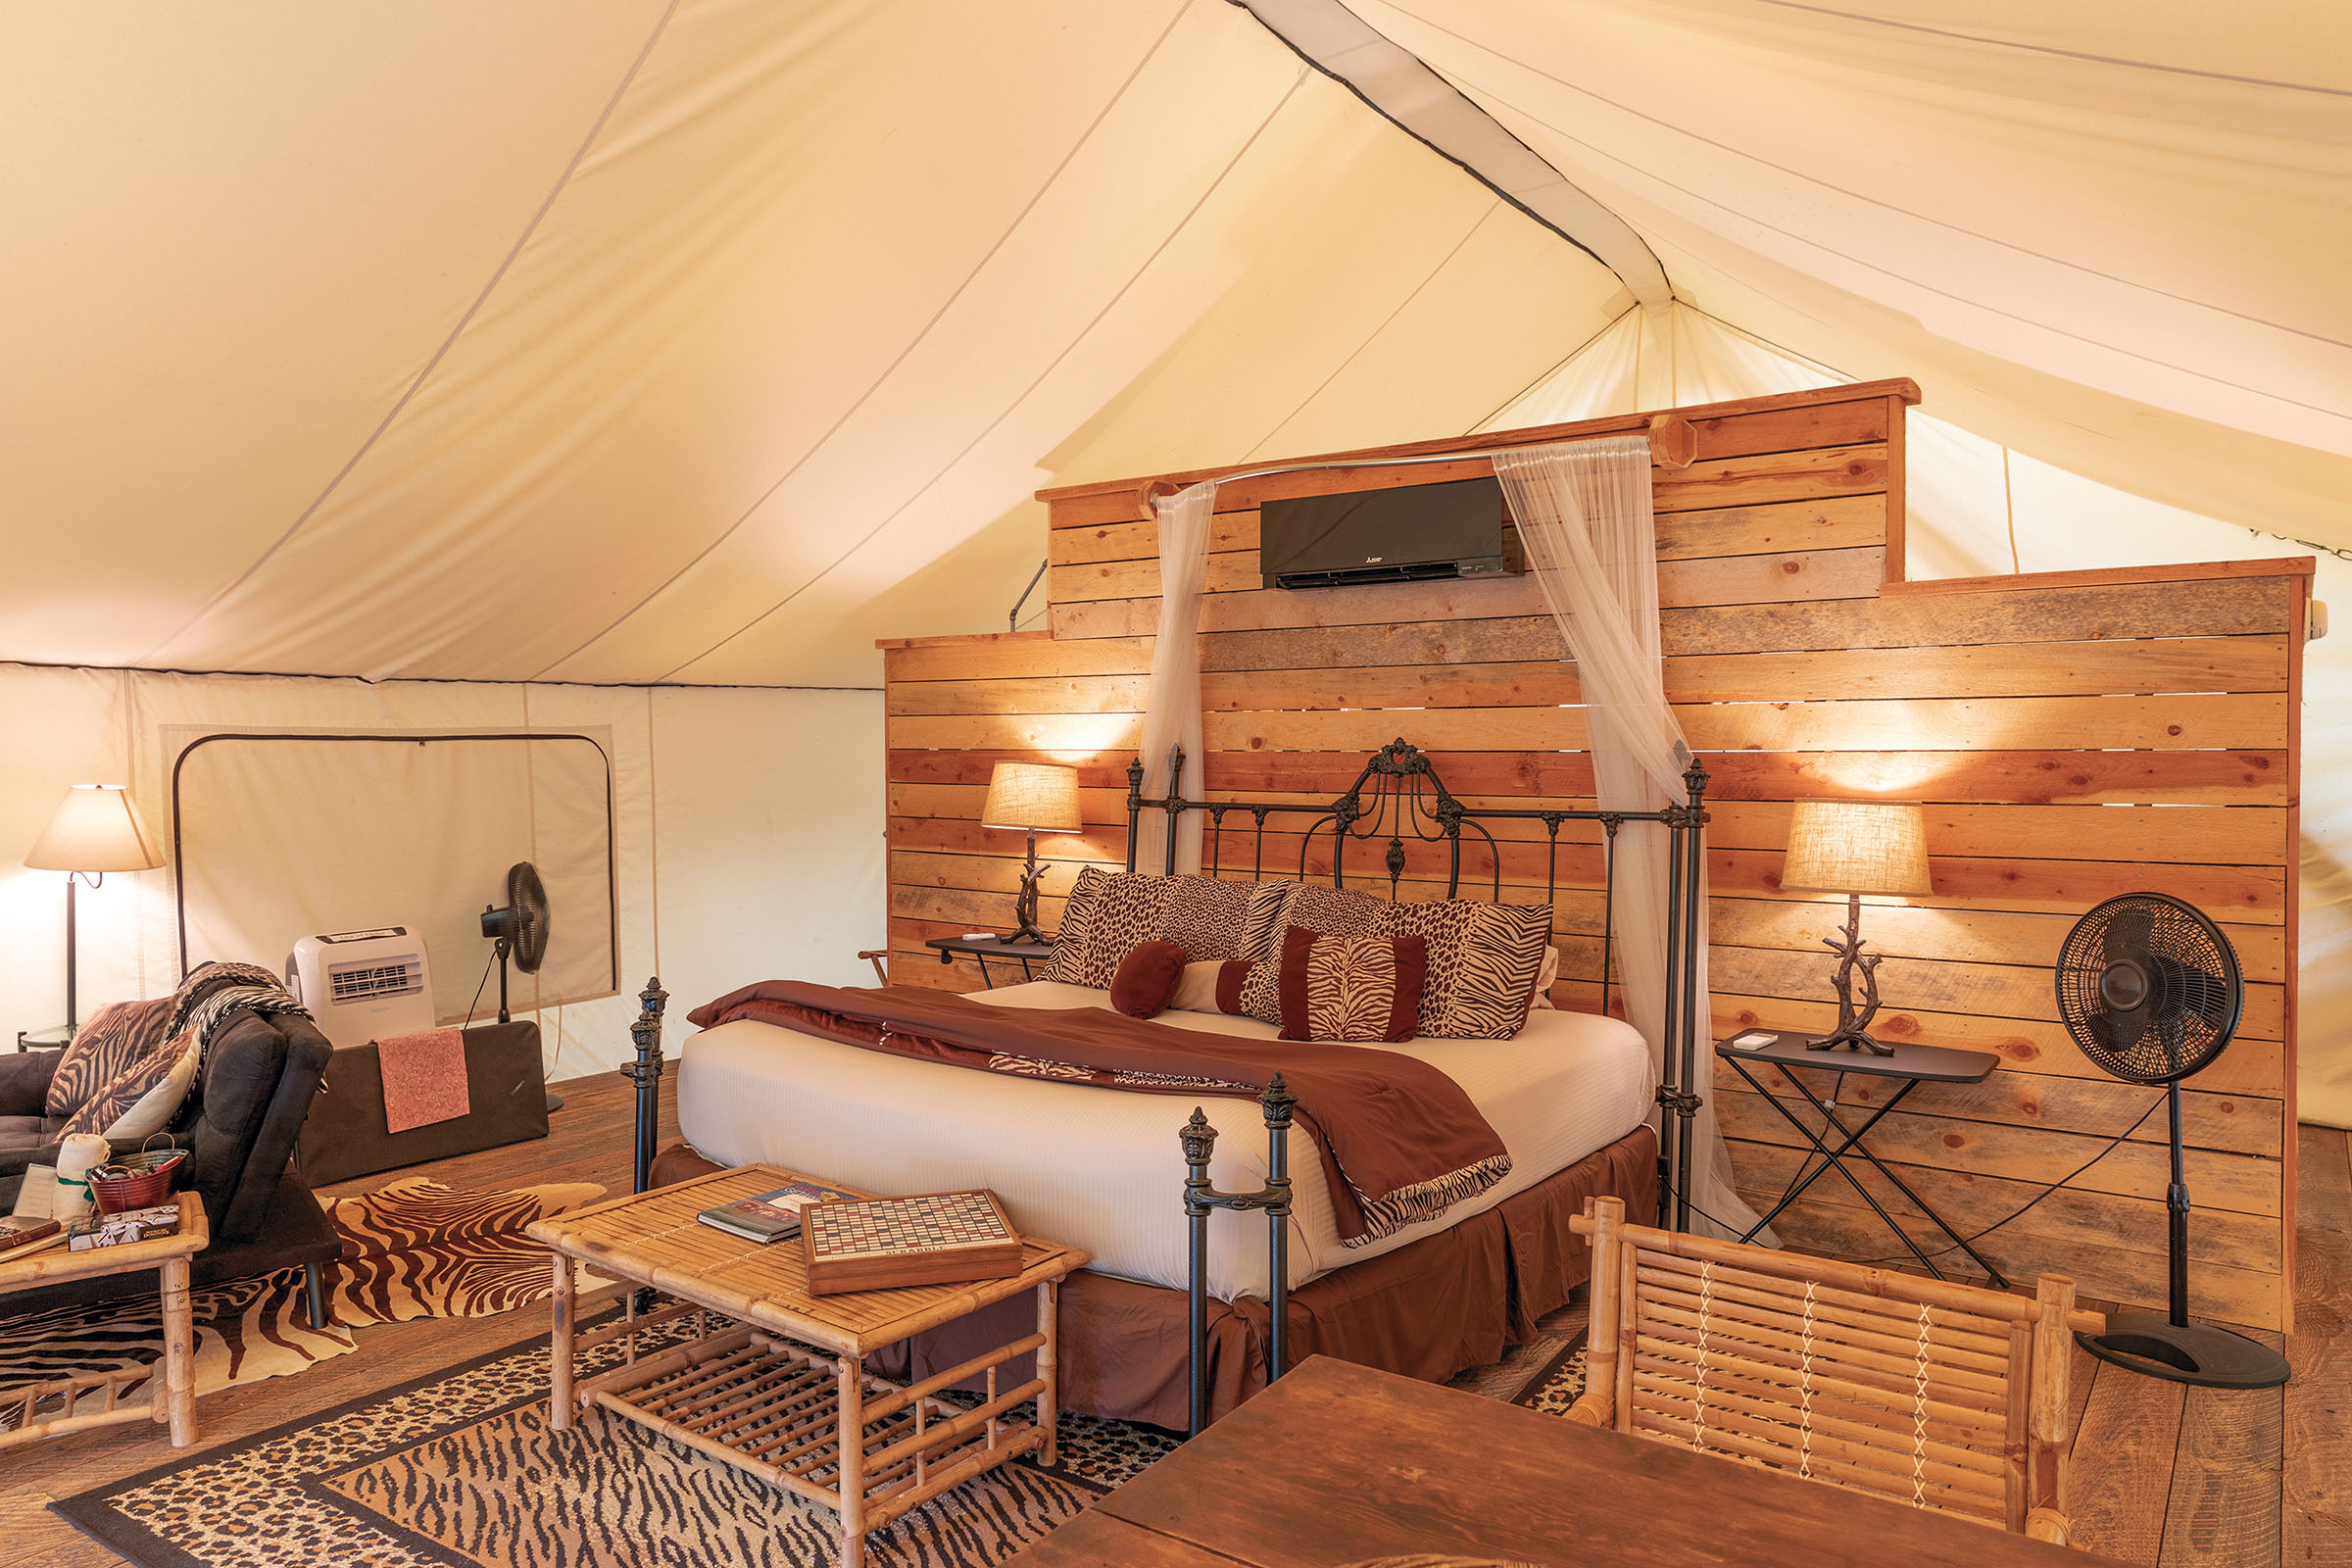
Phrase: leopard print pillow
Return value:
(1109, 913)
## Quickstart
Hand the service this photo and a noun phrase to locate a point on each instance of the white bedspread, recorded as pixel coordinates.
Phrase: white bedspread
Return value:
(1100, 1168)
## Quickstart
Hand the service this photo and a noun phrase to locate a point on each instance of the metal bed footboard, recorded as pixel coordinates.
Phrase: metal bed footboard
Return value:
(1399, 796)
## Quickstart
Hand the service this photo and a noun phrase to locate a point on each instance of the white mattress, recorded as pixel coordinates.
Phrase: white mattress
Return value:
(1100, 1168)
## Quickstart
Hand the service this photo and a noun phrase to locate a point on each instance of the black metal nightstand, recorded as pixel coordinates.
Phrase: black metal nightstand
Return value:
(54, 1038)
(983, 948)
(1910, 1064)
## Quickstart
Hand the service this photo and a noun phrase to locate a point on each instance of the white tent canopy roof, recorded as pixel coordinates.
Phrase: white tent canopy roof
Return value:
(703, 341)
(680, 340)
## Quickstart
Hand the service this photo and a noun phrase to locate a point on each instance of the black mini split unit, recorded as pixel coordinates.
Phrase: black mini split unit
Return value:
(1411, 533)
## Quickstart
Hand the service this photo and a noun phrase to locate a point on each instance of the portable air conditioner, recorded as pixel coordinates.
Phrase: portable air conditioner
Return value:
(363, 985)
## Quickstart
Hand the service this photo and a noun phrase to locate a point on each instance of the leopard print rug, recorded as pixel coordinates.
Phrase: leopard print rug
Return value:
(413, 1249)
(458, 1470)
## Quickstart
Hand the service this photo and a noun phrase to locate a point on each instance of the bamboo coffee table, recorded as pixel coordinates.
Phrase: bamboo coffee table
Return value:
(171, 1385)
(784, 1395)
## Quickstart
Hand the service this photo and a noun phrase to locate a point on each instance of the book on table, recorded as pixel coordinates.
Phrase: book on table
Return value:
(770, 1216)
(877, 1244)
(26, 1233)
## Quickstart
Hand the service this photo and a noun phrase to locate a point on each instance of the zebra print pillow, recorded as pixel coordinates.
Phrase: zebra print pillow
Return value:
(141, 1099)
(1354, 990)
(104, 1048)
(1484, 961)
(1333, 912)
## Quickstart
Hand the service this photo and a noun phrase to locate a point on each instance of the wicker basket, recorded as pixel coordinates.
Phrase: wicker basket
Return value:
(136, 1181)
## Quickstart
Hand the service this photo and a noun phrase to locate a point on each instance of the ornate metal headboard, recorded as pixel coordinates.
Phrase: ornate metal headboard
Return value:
(1399, 797)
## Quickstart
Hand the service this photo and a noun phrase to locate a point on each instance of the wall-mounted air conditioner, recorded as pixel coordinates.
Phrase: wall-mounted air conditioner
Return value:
(363, 985)
(1409, 534)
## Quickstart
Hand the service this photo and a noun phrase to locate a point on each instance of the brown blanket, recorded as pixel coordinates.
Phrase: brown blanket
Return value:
(1399, 1141)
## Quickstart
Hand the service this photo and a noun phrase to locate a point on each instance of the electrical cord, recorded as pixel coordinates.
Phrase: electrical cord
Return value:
(478, 990)
(2105, 1150)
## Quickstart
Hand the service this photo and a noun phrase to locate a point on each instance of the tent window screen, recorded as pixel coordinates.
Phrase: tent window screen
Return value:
(280, 836)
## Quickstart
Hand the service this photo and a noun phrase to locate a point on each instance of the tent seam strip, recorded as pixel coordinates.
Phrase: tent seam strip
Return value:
(1026, 392)
(880, 381)
(562, 180)
(1501, 194)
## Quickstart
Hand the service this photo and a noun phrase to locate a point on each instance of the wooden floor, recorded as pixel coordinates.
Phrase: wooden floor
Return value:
(2162, 1475)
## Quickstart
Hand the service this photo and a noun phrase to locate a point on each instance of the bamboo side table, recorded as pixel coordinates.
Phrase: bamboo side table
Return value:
(784, 1395)
(171, 1388)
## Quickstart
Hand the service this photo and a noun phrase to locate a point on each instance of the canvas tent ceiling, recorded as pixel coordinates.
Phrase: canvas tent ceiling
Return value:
(705, 340)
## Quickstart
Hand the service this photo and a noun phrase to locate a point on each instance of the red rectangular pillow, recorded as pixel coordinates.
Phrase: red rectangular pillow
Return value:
(1351, 989)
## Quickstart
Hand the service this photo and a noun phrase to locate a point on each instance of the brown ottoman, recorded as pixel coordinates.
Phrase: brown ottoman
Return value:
(506, 1103)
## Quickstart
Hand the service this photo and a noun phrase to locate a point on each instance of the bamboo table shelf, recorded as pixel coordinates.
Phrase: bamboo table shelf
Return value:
(171, 1386)
(784, 1394)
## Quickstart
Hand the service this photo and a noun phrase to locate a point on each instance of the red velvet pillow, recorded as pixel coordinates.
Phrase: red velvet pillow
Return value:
(1146, 980)
(1351, 989)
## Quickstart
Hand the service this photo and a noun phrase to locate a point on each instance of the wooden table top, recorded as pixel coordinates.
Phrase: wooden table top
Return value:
(54, 1263)
(655, 1239)
(1338, 1463)
(1933, 1064)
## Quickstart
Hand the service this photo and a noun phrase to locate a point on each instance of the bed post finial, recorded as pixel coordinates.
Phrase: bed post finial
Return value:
(646, 1073)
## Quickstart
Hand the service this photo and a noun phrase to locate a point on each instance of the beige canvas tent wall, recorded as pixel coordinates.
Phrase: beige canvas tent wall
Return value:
(538, 348)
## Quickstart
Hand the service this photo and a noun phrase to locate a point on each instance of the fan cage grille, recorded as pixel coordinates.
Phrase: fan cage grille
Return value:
(2193, 992)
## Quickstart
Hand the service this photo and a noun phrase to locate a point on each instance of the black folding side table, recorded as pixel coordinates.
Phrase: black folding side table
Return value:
(983, 948)
(1911, 1066)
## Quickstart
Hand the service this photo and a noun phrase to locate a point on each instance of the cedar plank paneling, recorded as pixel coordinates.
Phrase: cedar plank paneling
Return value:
(2072, 738)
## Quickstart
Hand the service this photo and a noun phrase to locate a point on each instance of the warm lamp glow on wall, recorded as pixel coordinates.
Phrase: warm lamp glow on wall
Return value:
(1854, 847)
(97, 829)
(1033, 796)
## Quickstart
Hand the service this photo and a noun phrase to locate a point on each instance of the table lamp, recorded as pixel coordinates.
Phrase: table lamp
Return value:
(1031, 796)
(97, 829)
(1854, 847)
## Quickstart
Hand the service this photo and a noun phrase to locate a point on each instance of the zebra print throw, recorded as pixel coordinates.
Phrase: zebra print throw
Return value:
(413, 1249)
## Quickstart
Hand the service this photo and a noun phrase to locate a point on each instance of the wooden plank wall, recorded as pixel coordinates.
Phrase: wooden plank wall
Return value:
(2074, 736)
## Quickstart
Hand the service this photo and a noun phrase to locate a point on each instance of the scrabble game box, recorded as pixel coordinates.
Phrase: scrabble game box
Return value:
(874, 1243)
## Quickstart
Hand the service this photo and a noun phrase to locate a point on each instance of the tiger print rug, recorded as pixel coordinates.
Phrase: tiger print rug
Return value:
(413, 1249)
(458, 1470)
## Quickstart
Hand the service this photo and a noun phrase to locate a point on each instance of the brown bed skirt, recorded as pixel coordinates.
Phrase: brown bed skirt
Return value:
(1452, 1301)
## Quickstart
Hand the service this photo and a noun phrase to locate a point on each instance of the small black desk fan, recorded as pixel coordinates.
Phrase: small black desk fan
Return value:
(2150, 990)
(520, 932)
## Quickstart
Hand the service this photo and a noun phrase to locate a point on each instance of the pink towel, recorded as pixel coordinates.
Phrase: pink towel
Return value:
(424, 1078)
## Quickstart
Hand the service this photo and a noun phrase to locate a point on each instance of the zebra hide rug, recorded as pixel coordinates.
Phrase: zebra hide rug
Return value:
(413, 1249)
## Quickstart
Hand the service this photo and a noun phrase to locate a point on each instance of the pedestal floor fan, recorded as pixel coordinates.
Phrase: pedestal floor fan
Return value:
(2149, 988)
(519, 933)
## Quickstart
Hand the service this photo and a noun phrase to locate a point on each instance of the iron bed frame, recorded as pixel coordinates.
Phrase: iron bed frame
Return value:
(1399, 795)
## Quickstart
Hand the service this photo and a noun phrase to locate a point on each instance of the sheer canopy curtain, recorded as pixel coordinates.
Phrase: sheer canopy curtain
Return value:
(1583, 509)
(1172, 700)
